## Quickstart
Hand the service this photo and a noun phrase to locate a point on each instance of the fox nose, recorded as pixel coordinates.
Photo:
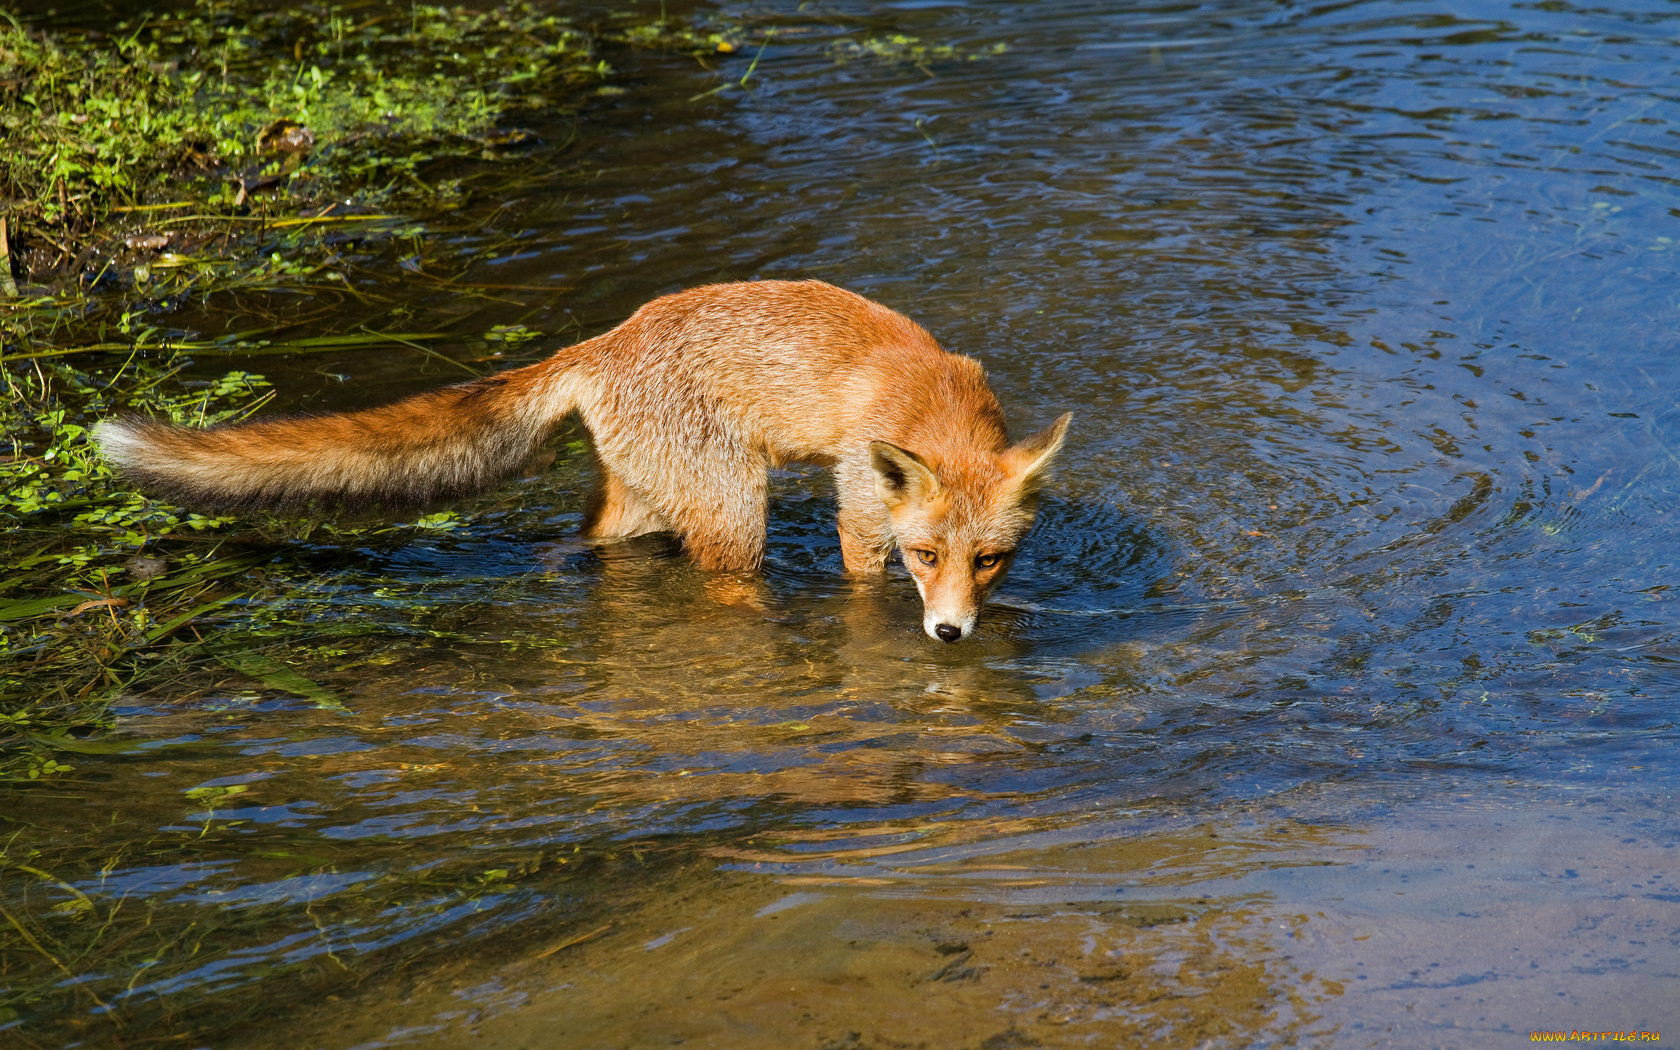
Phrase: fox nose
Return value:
(948, 632)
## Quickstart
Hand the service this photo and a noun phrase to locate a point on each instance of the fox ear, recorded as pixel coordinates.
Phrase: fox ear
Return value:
(901, 476)
(1030, 459)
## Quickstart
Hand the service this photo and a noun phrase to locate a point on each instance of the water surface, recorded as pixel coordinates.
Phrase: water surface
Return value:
(1362, 550)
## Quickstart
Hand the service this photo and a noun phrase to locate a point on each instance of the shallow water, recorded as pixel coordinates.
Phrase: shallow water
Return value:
(1359, 571)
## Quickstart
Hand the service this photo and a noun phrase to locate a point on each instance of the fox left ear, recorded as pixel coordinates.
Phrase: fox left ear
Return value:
(1030, 459)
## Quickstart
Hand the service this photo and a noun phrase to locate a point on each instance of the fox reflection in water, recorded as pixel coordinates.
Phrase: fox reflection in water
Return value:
(808, 697)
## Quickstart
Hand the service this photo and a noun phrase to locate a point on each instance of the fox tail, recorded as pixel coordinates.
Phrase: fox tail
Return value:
(444, 443)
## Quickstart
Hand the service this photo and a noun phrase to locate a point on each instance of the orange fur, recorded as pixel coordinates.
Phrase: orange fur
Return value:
(689, 403)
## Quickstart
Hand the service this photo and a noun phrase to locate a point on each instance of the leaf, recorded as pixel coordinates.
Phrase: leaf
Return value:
(88, 745)
(29, 608)
(168, 626)
(276, 675)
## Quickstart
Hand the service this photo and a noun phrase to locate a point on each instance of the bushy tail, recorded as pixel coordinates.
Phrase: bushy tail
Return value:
(443, 443)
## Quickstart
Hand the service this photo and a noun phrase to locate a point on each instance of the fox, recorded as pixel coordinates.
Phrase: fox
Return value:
(689, 404)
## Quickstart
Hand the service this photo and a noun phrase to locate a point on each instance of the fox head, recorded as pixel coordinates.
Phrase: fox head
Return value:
(957, 524)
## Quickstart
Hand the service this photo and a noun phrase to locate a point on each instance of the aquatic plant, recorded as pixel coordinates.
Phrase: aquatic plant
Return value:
(87, 592)
(208, 108)
(909, 50)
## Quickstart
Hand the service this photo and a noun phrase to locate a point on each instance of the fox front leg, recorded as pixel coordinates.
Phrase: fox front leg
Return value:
(863, 557)
(866, 539)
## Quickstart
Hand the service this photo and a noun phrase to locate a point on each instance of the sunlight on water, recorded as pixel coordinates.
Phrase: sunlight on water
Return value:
(1362, 550)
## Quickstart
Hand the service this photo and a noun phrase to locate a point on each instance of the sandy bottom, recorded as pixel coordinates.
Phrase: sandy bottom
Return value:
(1463, 922)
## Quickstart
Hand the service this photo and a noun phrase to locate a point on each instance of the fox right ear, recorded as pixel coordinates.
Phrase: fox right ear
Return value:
(901, 476)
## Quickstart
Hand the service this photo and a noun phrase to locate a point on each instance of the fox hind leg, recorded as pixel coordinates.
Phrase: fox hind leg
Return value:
(616, 512)
(722, 515)
(712, 493)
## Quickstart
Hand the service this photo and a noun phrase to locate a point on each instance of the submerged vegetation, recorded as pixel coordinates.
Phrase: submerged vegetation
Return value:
(82, 598)
(165, 133)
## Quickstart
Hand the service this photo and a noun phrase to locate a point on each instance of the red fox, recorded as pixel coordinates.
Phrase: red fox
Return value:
(689, 403)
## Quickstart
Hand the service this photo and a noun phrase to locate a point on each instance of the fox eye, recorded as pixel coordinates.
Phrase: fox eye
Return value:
(928, 557)
(986, 561)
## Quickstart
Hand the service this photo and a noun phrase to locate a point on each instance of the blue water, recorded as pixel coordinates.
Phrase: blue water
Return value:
(1366, 314)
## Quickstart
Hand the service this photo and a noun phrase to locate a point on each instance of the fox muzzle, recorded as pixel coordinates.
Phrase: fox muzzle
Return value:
(945, 627)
